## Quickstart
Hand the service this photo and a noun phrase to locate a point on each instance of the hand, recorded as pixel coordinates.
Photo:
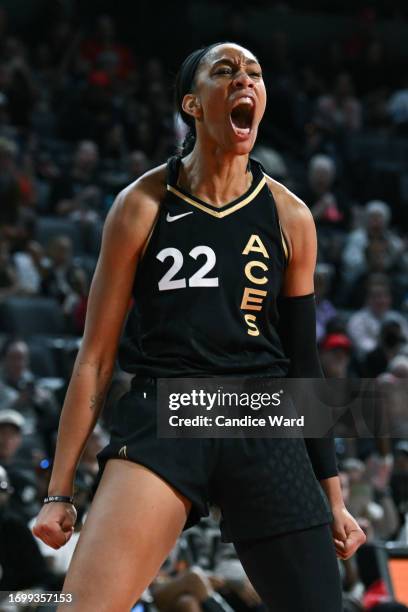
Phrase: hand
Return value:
(24, 398)
(347, 534)
(36, 251)
(217, 582)
(248, 594)
(55, 523)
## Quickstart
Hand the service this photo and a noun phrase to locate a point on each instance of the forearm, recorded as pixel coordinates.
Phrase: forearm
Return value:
(82, 406)
(332, 489)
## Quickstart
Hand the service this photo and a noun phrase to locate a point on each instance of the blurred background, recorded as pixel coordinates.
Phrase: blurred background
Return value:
(86, 106)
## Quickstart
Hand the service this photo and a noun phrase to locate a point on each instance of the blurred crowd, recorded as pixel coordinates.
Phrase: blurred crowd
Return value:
(81, 117)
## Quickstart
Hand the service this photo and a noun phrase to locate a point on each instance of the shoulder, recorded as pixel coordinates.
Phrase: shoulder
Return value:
(142, 196)
(295, 217)
(136, 207)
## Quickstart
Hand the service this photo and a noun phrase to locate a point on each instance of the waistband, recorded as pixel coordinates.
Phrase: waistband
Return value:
(139, 382)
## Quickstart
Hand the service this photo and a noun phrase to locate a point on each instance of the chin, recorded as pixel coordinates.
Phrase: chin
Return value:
(244, 147)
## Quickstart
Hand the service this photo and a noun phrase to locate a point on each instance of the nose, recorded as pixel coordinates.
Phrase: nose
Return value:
(243, 80)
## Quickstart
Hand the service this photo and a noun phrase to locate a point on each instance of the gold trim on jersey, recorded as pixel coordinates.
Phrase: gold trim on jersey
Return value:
(284, 243)
(222, 213)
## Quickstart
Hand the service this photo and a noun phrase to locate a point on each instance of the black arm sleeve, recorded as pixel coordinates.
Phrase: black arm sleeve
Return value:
(297, 329)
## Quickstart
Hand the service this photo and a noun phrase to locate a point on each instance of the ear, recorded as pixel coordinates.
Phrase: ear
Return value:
(191, 105)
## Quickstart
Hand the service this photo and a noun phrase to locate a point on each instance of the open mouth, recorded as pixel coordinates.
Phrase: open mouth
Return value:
(242, 116)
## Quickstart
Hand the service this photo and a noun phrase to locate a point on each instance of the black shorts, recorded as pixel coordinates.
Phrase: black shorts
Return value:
(262, 486)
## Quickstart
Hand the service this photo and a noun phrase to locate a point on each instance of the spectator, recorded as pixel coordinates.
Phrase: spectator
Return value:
(16, 214)
(104, 45)
(76, 305)
(341, 109)
(378, 259)
(335, 355)
(327, 205)
(399, 481)
(392, 388)
(325, 311)
(370, 497)
(77, 193)
(30, 264)
(389, 344)
(398, 106)
(202, 545)
(20, 89)
(33, 401)
(23, 501)
(63, 280)
(136, 164)
(321, 198)
(7, 396)
(364, 325)
(190, 590)
(9, 285)
(376, 226)
(10, 192)
(376, 71)
(208, 571)
(11, 434)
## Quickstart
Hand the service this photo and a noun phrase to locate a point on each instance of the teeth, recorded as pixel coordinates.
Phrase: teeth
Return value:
(245, 100)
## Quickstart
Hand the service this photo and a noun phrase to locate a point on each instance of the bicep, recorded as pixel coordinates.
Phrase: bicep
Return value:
(109, 298)
(299, 275)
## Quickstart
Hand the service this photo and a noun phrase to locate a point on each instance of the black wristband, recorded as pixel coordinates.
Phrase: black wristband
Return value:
(58, 498)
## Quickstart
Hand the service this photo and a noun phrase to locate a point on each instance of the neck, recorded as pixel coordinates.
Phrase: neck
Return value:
(214, 175)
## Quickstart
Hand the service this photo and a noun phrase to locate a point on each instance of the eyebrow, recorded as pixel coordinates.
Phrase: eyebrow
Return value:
(226, 60)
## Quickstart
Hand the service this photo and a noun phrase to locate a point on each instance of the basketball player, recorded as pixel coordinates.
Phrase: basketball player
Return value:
(206, 243)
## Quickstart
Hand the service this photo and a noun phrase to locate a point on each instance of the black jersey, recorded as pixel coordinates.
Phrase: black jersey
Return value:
(206, 288)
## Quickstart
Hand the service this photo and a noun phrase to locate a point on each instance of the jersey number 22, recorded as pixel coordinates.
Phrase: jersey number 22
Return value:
(198, 279)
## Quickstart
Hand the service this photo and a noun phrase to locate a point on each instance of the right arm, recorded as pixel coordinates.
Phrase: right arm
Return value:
(125, 232)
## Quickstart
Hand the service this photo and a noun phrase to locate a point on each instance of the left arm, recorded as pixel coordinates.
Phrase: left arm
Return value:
(298, 332)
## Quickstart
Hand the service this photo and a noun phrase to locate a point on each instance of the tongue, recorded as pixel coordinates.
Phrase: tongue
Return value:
(240, 130)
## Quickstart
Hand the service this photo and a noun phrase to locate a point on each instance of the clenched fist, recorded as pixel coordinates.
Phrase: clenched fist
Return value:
(55, 523)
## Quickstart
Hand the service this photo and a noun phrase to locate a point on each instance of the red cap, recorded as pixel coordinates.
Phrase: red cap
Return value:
(335, 341)
(99, 78)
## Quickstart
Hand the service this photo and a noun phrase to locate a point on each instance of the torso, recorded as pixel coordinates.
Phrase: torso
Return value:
(206, 287)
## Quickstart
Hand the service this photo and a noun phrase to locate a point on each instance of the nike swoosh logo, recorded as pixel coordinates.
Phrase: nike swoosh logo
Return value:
(169, 218)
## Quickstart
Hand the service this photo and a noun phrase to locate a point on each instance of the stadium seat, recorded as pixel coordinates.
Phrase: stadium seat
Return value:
(42, 361)
(93, 239)
(87, 263)
(31, 315)
(50, 227)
